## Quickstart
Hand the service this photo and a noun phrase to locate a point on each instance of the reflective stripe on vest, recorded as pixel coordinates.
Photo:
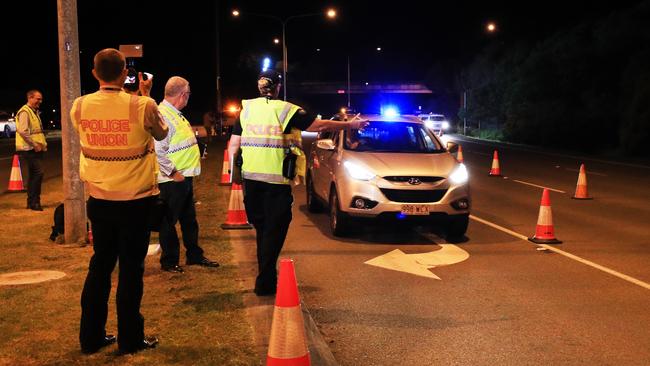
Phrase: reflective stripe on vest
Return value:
(183, 149)
(117, 160)
(34, 127)
(263, 142)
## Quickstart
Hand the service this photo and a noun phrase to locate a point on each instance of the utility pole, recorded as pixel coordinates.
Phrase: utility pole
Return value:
(348, 81)
(73, 190)
(219, 111)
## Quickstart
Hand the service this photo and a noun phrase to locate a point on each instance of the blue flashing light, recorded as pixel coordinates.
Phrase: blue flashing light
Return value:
(401, 216)
(266, 63)
(390, 111)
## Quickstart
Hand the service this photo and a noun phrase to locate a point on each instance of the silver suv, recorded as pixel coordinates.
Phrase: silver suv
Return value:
(393, 169)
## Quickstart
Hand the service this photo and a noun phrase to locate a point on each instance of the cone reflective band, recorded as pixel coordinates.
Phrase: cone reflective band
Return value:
(225, 175)
(496, 170)
(544, 233)
(288, 342)
(581, 187)
(459, 157)
(236, 216)
(15, 177)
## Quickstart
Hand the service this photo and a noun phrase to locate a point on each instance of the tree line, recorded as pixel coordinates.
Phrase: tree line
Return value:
(585, 88)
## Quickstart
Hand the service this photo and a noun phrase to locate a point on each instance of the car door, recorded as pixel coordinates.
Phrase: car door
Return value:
(323, 174)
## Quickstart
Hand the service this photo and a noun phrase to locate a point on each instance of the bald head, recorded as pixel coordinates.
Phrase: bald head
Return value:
(175, 86)
(109, 65)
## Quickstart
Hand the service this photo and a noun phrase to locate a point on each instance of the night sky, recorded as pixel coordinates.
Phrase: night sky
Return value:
(181, 40)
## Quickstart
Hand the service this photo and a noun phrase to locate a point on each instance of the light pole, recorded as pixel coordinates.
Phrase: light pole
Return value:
(331, 13)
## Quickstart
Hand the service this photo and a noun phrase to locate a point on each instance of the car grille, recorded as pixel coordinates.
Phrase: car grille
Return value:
(417, 196)
(405, 179)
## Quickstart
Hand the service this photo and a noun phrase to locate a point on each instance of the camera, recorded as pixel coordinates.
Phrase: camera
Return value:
(132, 76)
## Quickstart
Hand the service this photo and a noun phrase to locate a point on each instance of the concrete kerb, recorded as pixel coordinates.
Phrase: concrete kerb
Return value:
(259, 309)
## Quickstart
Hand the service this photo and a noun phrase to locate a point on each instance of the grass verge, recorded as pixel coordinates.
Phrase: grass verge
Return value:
(198, 316)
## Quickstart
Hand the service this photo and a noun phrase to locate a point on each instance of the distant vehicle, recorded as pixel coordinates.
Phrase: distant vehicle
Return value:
(394, 169)
(7, 126)
(436, 122)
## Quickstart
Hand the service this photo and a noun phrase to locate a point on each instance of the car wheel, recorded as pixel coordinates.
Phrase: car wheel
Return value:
(457, 226)
(313, 205)
(338, 220)
(7, 131)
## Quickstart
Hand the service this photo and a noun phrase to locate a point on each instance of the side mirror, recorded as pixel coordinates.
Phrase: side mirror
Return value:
(326, 144)
(452, 147)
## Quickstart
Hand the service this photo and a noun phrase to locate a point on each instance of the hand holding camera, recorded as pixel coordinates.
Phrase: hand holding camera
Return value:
(146, 83)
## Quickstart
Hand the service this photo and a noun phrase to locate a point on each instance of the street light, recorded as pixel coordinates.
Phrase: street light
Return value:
(331, 13)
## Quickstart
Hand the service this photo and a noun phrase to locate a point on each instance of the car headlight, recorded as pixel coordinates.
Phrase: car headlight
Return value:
(459, 175)
(445, 125)
(358, 172)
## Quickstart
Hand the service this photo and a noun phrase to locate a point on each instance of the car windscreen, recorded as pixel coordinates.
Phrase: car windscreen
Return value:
(392, 137)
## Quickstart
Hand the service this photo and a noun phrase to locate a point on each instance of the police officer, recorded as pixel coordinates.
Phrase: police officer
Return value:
(30, 146)
(118, 166)
(179, 158)
(267, 132)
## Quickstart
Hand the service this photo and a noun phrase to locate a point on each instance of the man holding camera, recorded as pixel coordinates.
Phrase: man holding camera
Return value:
(179, 159)
(116, 132)
(30, 146)
(267, 130)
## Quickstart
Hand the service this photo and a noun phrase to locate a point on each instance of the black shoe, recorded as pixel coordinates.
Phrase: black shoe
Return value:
(147, 343)
(205, 262)
(265, 291)
(107, 341)
(36, 207)
(175, 268)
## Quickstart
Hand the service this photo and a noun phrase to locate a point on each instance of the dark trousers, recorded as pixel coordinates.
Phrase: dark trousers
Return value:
(179, 197)
(268, 208)
(33, 160)
(119, 232)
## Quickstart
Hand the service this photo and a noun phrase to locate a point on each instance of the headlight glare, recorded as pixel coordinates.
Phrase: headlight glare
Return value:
(358, 172)
(459, 175)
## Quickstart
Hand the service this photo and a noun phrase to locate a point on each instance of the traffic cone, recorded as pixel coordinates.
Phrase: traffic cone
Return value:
(236, 218)
(544, 234)
(16, 177)
(287, 343)
(581, 187)
(459, 156)
(225, 174)
(495, 171)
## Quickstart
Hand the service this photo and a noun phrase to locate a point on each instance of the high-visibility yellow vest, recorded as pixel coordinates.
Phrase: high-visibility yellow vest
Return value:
(117, 161)
(35, 128)
(263, 142)
(183, 148)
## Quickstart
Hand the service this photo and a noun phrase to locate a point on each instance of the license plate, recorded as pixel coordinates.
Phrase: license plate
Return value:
(415, 210)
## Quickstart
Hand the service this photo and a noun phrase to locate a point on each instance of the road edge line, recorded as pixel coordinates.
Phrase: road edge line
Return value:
(566, 254)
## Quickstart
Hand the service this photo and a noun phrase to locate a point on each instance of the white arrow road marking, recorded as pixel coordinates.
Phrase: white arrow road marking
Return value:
(420, 263)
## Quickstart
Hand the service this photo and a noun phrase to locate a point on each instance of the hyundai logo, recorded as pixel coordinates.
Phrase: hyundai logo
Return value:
(414, 181)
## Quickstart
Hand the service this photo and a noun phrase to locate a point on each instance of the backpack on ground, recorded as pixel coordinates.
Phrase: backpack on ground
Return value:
(59, 226)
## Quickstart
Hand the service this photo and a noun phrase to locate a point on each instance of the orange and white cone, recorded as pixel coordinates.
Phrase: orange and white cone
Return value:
(459, 156)
(496, 170)
(16, 177)
(544, 233)
(287, 343)
(581, 187)
(236, 218)
(225, 175)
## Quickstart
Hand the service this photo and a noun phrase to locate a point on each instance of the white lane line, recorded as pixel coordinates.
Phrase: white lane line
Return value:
(7, 158)
(535, 185)
(566, 254)
(589, 172)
